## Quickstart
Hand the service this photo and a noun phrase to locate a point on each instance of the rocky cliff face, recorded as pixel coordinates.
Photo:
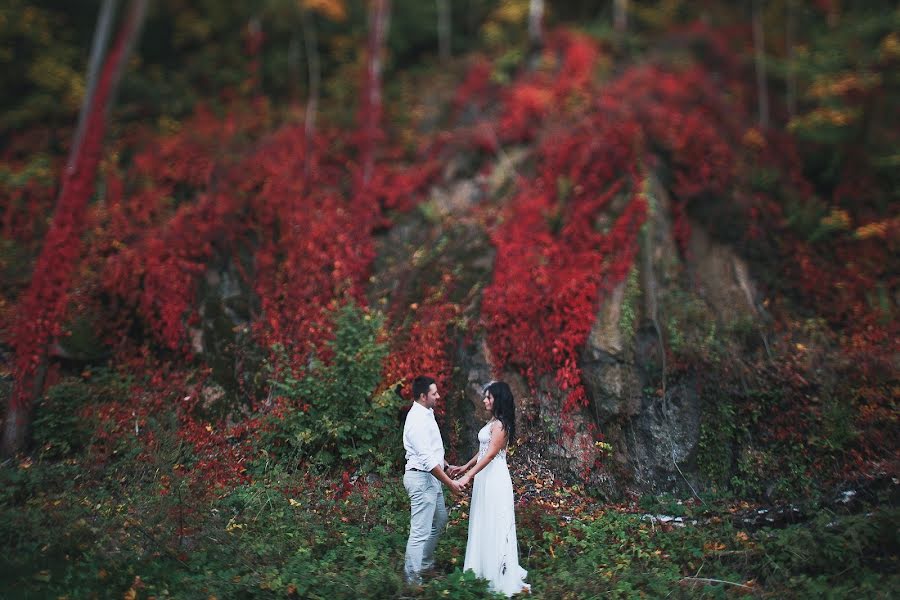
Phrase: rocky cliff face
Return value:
(649, 413)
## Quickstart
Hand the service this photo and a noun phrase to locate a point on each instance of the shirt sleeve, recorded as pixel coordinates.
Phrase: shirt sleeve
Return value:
(436, 447)
(425, 441)
(434, 459)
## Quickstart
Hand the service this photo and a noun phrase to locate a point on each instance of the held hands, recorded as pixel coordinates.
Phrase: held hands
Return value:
(463, 481)
(455, 487)
(455, 471)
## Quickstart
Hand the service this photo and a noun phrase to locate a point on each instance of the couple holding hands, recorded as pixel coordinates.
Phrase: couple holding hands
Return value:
(492, 549)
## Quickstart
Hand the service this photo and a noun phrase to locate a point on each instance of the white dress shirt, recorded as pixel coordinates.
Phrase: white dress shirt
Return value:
(422, 439)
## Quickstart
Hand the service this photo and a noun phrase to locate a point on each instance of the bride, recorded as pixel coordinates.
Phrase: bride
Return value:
(492, 550)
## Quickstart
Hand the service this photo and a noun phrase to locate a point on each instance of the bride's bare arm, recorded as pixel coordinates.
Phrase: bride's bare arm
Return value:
(498, 442)
(454, 471)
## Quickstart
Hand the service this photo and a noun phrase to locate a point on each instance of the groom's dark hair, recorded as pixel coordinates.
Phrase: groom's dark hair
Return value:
(421, 385)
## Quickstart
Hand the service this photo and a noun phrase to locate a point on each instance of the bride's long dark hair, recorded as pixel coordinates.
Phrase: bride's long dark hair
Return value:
(504, 407)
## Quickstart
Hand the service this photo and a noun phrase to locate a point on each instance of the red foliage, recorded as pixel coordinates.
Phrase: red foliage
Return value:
(43, 305)
(27, 205)
(557, 252)
(552, 260)
(473, 89)
(580, 56)
(422, 348)
(312, 243)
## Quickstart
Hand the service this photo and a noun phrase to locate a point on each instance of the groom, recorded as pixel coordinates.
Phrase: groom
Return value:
(424, 474)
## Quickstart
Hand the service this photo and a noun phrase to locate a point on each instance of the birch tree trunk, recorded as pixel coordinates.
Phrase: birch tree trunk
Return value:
(791, 72)
(98, 48)
(536, 23)
(444, 29)
(43, 304)
(759, 43)
(293, 68)
(379, 21)
(312, 102)
(620, 15)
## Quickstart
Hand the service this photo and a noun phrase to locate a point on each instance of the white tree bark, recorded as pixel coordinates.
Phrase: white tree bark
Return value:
(536, 23)
(379, 22)
(620, 15)
(791, 67)
(98, 48)
(759, 43)
(444, 29)
(312, 102)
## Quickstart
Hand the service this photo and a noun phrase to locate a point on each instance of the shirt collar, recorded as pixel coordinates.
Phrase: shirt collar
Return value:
(418, 406)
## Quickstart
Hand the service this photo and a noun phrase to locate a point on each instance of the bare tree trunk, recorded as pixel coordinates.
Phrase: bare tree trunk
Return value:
(443, 8)
(293, 60)
(18, 415)
(255, 33)
(379, 21)
(43, 304)
(620, 15)
(759, 43)
(791, 67)
(312, 102)
(98, 48)
(536, 23)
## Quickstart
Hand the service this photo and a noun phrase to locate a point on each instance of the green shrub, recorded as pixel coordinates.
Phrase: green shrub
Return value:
(335, 419)
(60, 427)
(63, 424)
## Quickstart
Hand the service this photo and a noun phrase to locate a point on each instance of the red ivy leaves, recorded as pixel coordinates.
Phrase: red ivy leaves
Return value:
(43, 304)
(423, 349)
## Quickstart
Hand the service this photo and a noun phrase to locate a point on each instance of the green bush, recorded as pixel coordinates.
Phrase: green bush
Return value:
(60, 426)
(62, 423)
(335, 418)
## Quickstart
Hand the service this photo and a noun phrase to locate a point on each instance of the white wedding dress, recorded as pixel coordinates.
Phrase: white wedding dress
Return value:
(492, 551)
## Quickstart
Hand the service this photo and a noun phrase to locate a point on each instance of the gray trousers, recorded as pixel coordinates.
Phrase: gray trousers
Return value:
(428, 517)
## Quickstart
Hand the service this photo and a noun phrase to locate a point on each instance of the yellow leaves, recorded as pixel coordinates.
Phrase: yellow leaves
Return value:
(511, 11)
(743, 539)
(53, 75)
(890, 47)
(191, 27)
(168, 126)
(713, 546)
(753, 139)
(233, 525)
(293, 502)
(838, 218)
(840, 84)
(330, 9)
(42, 576)
(824, 116)
(132, 593)
(508, 17)
(603, 446)
(877, 229)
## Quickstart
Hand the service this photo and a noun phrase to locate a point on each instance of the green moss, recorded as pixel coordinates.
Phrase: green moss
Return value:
(715, 450)
(628, 313)
(81, 338)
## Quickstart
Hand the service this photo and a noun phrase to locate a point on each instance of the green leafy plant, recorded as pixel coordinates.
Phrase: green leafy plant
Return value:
(332, 414)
